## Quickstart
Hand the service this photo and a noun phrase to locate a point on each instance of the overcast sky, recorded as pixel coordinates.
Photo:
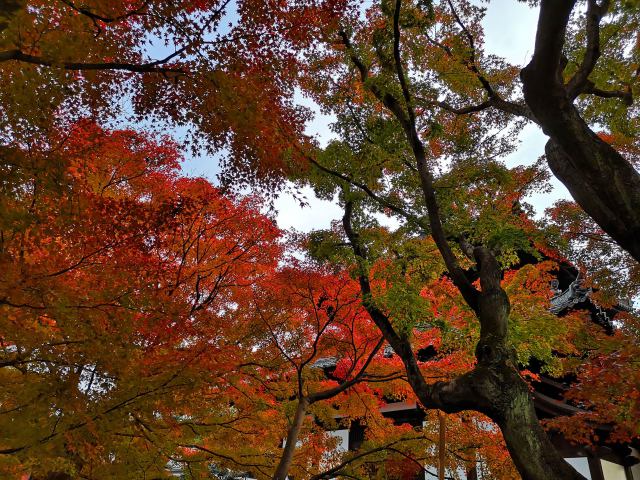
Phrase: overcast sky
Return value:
(509, 32)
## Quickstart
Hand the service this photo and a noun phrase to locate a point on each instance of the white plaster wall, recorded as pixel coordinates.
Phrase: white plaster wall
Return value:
(612, 471)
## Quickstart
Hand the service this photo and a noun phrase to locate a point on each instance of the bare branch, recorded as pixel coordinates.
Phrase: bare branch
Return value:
(625, 95)
(150, 67)
(332, 392)
(102, 18)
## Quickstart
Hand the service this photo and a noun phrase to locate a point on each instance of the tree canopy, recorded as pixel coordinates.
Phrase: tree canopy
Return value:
(150, 321)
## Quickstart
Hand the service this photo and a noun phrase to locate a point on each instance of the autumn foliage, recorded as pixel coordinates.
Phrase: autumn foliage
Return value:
(154, 323)
(117, 274)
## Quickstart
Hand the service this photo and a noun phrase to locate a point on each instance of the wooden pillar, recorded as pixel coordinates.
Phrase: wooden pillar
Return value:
(595, 468)
(442, 443)
(472, 467)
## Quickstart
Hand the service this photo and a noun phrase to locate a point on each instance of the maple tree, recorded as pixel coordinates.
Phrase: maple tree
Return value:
(116, 275)
(324, 321)
(609, 374)
(600, 178)
(418, 104)
(307, 318)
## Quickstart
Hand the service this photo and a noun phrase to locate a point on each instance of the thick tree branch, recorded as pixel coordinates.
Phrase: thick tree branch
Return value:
(364, 71)
(513, 108)
(458, 276)
(292, 438)
(625, 95)
(408, 123)
(494, 310)
(462, 110)
(579, 80)
(495, 101)
(386, 98)
(452, 396)
(547, 56)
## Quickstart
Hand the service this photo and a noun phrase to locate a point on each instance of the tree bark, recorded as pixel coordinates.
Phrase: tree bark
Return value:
(472, 466)
(504, 392)
(531, 450)
(292, 438)
(496, 389)
(600, 180)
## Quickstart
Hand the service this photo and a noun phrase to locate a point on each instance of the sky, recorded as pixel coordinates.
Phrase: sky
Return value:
(509, 32)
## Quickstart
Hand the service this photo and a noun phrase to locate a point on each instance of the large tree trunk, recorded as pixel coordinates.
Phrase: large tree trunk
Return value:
(600, 180)
(292, 439)
(606, 186)
(529, 446)
(496, 389)
(503, 395)
(532, 452)
(495, 386)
